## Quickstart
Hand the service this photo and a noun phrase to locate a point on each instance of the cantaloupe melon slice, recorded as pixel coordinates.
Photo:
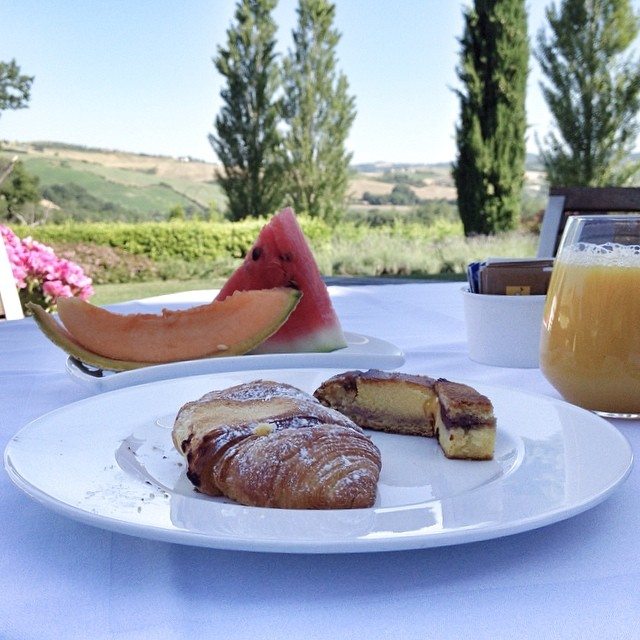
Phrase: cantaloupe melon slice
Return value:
(221, 328)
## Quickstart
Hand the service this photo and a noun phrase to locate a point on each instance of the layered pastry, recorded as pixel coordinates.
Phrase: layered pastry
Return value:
(457, 414)
(269, 444)
(393, 402)
(465, 424)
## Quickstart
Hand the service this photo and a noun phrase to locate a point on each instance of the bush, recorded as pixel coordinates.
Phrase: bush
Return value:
(402, 244)
(403, 194)
(108, 264)
(427, 213)
(155, 240)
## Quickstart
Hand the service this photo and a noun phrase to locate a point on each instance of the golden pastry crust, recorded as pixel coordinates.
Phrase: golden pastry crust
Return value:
(322, 467)
(463, 406)
(272, 445)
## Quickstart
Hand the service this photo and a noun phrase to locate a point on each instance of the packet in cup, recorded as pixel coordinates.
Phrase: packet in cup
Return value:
(514, 277)
(503, 308)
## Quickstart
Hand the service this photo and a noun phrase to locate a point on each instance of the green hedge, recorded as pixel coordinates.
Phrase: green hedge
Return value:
(158, 241)
(186, 250)
(195, 240)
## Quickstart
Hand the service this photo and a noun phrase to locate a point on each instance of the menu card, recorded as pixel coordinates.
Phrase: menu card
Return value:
(510, 276)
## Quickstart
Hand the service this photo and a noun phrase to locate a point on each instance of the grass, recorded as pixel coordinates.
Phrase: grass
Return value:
(151, 186)
(389, 255)
(112, 293)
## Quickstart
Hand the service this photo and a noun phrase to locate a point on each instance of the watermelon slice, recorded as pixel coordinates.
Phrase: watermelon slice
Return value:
(281, 257)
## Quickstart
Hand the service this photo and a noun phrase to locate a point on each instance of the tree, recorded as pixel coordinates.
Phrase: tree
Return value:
(592, 91)
(17, 190)
(248, 143)
(489, 168)
(176, 213)
(15, 91)
(318, 112)
(403, 194)
(15, 88)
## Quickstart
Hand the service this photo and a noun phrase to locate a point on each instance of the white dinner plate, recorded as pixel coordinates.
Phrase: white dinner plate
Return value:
(109, 461)
(361, 352)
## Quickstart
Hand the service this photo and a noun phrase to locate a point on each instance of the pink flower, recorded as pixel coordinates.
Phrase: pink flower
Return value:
(56, 289)
(40, 275)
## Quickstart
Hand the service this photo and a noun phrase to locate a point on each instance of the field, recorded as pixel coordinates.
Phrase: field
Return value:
(438, 187)
(136, 186)
(139, 187)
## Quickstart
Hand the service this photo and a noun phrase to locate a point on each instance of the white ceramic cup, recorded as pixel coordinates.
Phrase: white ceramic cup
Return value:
(503, 331)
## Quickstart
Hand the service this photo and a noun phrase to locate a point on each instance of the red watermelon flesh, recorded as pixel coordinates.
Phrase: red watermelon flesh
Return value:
(281, 257)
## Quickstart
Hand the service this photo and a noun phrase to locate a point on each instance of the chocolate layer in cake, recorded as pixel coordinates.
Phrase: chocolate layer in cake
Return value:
(465, 424)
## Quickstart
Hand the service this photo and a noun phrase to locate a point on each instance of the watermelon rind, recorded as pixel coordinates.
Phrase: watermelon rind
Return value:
(320, 341)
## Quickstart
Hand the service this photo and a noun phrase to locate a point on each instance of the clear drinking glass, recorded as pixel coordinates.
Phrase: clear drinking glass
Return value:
(590, 341)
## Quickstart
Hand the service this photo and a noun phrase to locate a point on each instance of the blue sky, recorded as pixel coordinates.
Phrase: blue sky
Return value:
(137, 75)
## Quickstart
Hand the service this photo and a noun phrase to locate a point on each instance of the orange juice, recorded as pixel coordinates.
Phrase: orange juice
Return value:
(590, 344)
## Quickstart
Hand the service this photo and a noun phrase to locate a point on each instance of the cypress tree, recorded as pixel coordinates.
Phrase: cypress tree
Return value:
(318, 113)
(490, 136)
(248, 143)
(592, 91)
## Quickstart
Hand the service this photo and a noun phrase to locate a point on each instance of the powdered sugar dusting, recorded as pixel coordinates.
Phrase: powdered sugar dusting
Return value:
(262, 390)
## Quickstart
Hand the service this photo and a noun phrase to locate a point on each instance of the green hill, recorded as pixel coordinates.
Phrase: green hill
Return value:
(99, 184)
(94, 184)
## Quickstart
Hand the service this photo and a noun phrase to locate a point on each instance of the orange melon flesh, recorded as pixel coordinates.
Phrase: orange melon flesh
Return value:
(220, 328)
(63, 339)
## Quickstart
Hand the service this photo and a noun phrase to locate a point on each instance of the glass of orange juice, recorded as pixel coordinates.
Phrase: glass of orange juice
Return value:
(590, 341)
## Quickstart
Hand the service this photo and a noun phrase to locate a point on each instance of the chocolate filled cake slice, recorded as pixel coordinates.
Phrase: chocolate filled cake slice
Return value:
(393, 402)
(465, 423)
(403, 403)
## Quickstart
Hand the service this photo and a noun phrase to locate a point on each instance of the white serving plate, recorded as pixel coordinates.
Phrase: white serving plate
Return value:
(109, 461)
(361, 352)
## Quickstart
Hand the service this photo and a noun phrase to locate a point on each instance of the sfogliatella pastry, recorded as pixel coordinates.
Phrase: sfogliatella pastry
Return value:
(457, 414)
(269, 444)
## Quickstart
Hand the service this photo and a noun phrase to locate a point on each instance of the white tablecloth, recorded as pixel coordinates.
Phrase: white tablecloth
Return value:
(579, 578)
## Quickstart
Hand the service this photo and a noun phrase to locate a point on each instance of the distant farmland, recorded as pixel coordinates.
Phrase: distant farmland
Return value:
(143, 185)
(140, 187)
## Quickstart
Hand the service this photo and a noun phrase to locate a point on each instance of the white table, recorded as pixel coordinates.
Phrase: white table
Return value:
(579, 578)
